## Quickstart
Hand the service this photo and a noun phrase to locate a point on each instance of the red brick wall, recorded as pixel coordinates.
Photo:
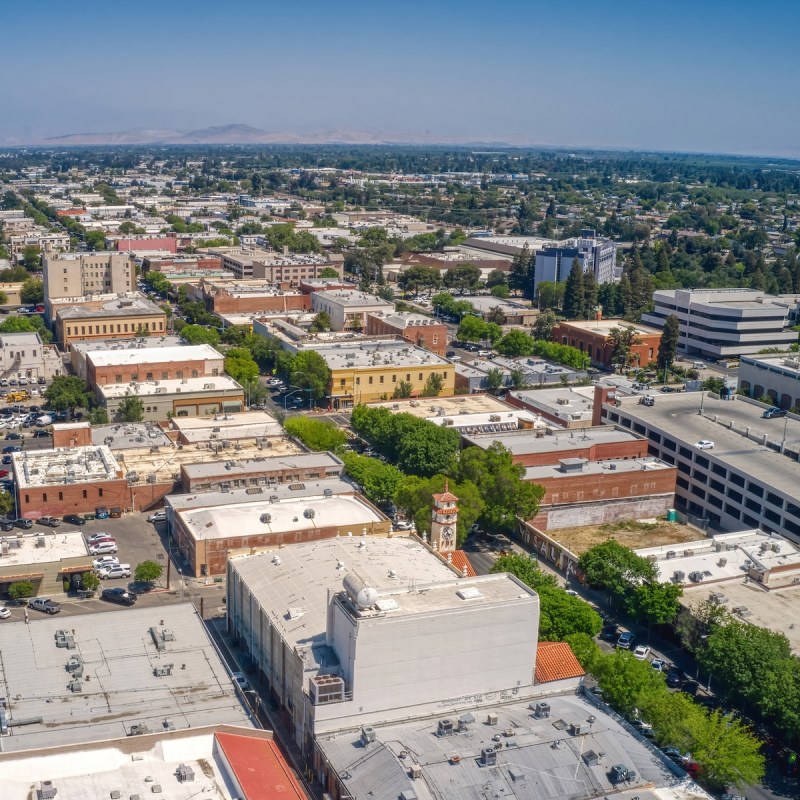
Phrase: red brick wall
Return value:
(590, 342)
(636, 448)
(73, 437)
(420, 335)
(228, 304)
(72, 498)
(100, 376)
(585, 487)
(282, 475)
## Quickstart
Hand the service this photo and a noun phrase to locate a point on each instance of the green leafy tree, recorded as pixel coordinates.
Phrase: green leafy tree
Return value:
(550, 295)
(131, 409)
(6, 503)
(668, 346)
(515, 343)
(462, 278)
(517, 378)
(543, 327)
(518, 277)
(95, 240)
(21, 589)
(508, 496)
(655, 602)
(500, 291)
(496, 278)
(574, 295)
(622, 341)
(614, 567)
(99, 416)
(66, 392)
(31, 324)
(32, 292)
(31, 258)
(328, 272)
(589, 294)
(433, 385)
(471, 329)
(494, 379)
(197, 334)
(239, 364)
(3, 298)
(308, 370)
(321, 322)
(625, 680)
(402, 389)
(378, 481)
(148, 572)
(90, 581)
(560, 614)
(316, 434)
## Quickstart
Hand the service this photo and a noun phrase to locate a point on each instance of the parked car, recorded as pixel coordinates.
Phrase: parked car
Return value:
(102, 548)
(159, 516)
(105, 561)
(641, 652)
(674, 678)
(23, 523)
(12, 449)
(6, 525)
(114, 571)
(403, 525)
(74, 519)
(625, 641)
(51, 522)
(690, 687)
(240, 678)
(610, 632)
(44, 604)
(99, 537)
(770, 413)
(704, 444)
(40, 433)
(658, 664)
(3, 473)
(13, 435)
(119, 595)
(5, 613)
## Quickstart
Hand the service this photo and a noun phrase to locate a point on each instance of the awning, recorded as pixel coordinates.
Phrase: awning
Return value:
(27, 576)
(74, 569)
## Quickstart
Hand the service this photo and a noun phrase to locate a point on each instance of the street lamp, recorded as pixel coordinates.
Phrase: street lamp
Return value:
(289, 394)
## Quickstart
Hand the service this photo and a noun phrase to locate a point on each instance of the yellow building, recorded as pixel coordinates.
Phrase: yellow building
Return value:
(117, 318)
(366, 371)
(11, 291)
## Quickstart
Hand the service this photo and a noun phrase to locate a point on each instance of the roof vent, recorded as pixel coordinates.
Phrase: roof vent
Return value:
(469, 593)
(46, 791)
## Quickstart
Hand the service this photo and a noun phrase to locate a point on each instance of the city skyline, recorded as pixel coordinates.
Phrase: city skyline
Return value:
(702, 78)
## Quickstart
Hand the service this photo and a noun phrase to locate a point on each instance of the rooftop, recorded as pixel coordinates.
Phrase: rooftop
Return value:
(352, 298)
(535, 757)
(285, 516)
(93, 346)
(553, 439)
(65, 465)
(785, 363)
(678, 415)
(232, 469)
(452, 406)
(377, 354)
(242, 425)
(217, 383)
(308, 570)
(129, 435)
(570, 467)
(555, 661)
(485, 303)
(404, 319)
(117, 654)
(148, 355)
(40, 547)
(603, 327)
(86, 308)
(505, 421)
(570, 404)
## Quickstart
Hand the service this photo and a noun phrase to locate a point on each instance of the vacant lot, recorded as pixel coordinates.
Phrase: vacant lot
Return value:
(630, 534)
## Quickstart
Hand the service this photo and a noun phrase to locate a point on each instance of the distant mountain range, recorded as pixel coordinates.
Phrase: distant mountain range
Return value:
(246, 134)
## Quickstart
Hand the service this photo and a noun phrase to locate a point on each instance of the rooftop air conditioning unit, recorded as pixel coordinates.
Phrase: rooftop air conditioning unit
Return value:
(488, 757)
(445, 727)
(679, 576)
(670, 554)
(541, 710)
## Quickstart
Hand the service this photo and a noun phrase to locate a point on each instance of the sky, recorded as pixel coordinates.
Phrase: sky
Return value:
(701, 76)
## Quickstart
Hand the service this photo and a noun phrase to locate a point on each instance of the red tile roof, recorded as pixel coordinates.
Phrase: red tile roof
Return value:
(459, 560)
(259, 768)
(555, 661)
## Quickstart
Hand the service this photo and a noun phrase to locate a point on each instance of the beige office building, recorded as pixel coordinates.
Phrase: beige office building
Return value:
(82, 274)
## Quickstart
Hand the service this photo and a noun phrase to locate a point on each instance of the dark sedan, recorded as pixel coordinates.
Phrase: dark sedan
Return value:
(119, 595)
(74, 519)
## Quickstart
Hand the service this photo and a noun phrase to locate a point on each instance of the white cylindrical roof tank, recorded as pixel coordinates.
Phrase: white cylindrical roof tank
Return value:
(358, 591)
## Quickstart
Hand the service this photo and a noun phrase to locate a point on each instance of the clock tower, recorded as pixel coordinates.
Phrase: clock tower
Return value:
(444, 516)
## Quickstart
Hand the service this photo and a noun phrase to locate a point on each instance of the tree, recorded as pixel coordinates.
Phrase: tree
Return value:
(378, 481)
(543, 327)
(494, 379)
(98, 416)
(508, 496)
(31, 324)
(462, 278)
(21, 589)
(131, 409)
(95, 240)
(614, 567)
(31, 257)
(32, 292)
(515, 343)
(589, 294)
(197, 334)
(496, 316)
(316, 434)
(550, 294)
(328, 272)
(3, 298)
(626, 680)
(496, 278)
(239, 364)
(471, 329)
(517, 378)
(6, 503)
(500, 291)
(309, 370)
(418, 277)
(402, 389)
(668, 346)
(433, 385)
(518, 277)
(90, 581)
(148, 572)
(622, 341)
(321, 322)
(655, 602)
(67, 392)
(574, 297)
(560, 614)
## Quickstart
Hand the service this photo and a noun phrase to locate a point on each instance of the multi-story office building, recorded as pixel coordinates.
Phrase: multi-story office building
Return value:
(593, 338)
(774, 376)
(348, 308)
(553, 263)
(23, 355)
(736, 470)
(723, 323)
(82, 274)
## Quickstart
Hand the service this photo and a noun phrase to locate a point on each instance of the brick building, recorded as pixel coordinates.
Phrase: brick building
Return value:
(167, 243)
(68, 480)
(592, 337)
(241, 297)
(415, 328)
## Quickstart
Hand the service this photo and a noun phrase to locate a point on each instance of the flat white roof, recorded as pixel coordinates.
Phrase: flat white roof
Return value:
(217, 383)
(244, 519)
(40, 547)
(150, 355)
(65, 465)
(241, 425)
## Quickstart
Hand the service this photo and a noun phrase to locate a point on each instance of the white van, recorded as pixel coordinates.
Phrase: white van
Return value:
(698, 365)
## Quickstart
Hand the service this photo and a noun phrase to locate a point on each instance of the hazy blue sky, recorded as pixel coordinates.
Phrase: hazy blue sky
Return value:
(706, 75)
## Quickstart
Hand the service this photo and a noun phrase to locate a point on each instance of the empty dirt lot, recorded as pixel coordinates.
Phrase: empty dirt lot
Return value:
(630, 534)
